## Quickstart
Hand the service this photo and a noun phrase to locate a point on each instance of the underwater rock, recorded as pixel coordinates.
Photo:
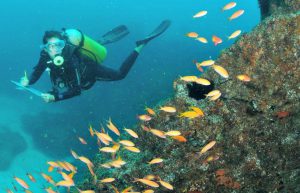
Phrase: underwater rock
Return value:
(54, 134)
(256, 123)
(11, 144)
(271, 7)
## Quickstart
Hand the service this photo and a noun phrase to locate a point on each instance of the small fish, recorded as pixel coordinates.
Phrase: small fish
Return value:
(144, 117)
(108, 150)
(28, 191)
(31, 178)
(216, 40)
(202, 39)
(215, 97)
(85, 160)
(235, 34)
(213, 93)
(150, 177)
(9, 191)
(192, 35)
(82, 141)
(156, 161)
(180, 138)
(198, 111)
(168, 109)
(107, 180)
(148, 191)
(85, 191)
(91, 130)
(189, 114)
(200, 14)
(104, 136)
(21, 182)
(147, 182)
(207, 63)
(158, 133)
(207, 147)
(65, 183)
(221, 71)
(74, 154)
(150, 111)
(202, 81)
(127, 143)
(188, 78)
(173, 133)
(132, 149)
(229, 6)
(166, 185)
(112, 127)
(236, 14)
(243, 77)
(131, 132)
(49, 190)
(48, 178)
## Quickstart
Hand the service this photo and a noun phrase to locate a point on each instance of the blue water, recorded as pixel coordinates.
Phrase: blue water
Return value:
(50, 130)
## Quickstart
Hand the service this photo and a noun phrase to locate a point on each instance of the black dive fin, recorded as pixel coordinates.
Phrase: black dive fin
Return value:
(164, 25)
(114, 35)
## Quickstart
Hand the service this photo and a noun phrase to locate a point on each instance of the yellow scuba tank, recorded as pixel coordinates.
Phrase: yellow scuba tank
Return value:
(88, 47)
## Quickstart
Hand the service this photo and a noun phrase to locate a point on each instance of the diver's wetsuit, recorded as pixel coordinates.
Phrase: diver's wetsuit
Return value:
(77, 72)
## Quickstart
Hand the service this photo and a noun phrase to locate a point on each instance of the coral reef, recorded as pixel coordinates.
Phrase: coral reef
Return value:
(256, 123)
(10, 150)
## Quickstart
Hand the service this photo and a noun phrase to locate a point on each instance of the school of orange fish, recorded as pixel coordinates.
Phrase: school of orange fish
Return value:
(110, 145)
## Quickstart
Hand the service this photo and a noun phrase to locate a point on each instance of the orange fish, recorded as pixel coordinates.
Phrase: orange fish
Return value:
(150, 111)
(229, 6)
(21, 182)
(31, 178)
(216, 40)
(91, 130)
(9, 191)
(48, 178)
(180, 138)
(243, 77)
(192, 34)
(236, 14)
(158, 133)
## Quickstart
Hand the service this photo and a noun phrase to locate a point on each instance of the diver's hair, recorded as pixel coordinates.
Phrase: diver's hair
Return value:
(51, 34)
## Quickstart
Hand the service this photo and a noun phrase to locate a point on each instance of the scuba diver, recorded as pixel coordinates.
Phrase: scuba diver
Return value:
(75, 60)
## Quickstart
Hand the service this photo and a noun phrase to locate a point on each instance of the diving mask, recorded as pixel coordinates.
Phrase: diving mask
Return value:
(54, 47)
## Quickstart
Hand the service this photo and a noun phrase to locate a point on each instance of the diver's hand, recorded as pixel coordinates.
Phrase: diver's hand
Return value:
(24, 81)
(48, 97)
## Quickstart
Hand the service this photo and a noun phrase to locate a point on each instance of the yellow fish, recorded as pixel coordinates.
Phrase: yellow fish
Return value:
(207, 63)
(132, 149)
(215, 97)
(207, 147)
(229, 6)
(236, 14)
(21, 182)
(166, 185)
(150, 177)
(172, 133)
(112, 127)
(147, 182)
(168, 109)
(155, 161)
(221, 71)
(189, 114)
(74, 154)
(131, 132)
(103, 136)
(235, 34)
(158, 133)
(202, 81)
(82, 141)
(107, 180)
(202, 39)
(144, 117)
(188, 78)
(148, 191)
(213, 93)
(91, 130)
(65, 183)
(108, 150)
(126, 143)
(200, 14)
(198, 111)
(85, 160)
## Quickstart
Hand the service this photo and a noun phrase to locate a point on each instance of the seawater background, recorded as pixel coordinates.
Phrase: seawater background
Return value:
(50, 130)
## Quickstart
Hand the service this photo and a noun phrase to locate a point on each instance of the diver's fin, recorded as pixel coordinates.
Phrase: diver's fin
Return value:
(114, 35)
(163, 26)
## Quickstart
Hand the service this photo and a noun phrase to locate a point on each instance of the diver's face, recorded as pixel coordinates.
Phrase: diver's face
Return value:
(54, 46)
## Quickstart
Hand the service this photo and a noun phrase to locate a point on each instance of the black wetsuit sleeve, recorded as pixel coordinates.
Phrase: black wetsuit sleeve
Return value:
(38, 70)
